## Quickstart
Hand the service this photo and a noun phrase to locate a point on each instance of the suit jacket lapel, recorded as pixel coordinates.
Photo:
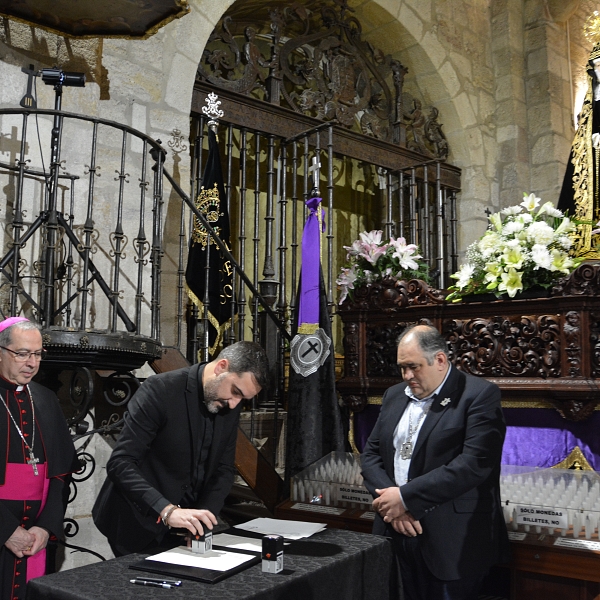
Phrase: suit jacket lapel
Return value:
(397, 408)
(452, 390)
(193, 396)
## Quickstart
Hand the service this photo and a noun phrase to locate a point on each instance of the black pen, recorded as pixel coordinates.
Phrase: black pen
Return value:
(151, 583)
(176, 582)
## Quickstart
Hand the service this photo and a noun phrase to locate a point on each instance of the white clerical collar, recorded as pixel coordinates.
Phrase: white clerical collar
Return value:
(20, 388)
(437, 390)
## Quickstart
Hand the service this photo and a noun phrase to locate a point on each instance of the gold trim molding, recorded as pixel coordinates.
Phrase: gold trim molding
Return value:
(377, 400)
(351, 434)
(531, 404)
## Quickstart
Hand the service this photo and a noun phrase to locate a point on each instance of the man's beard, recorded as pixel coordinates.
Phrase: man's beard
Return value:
(211, 397)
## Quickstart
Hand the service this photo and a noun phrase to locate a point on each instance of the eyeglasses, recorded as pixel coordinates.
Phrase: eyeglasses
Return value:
(24, 356)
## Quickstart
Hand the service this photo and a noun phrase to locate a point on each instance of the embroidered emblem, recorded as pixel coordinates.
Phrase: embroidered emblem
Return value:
(209, 205)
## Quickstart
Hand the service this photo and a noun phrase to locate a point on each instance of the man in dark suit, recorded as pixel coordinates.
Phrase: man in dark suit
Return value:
(432, 463)
(173, 464)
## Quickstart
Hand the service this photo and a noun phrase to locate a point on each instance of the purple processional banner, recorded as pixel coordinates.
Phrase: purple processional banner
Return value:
(311, 264)
(535, 437)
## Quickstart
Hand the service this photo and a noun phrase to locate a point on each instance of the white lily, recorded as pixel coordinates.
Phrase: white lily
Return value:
(530, 202)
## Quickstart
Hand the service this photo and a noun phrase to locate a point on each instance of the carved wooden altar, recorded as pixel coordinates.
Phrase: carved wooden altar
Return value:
(535, 349)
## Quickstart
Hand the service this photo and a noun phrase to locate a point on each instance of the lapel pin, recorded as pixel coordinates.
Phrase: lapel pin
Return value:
(445, 402)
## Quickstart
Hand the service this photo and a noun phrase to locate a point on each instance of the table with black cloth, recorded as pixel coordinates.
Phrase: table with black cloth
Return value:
(333, 564)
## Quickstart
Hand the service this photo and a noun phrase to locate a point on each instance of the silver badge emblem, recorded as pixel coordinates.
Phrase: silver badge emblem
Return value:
(308, 351)
(445, 402)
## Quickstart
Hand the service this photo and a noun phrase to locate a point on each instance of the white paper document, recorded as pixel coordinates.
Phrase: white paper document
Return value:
(215, 560)
(292, 530)
(237, 542)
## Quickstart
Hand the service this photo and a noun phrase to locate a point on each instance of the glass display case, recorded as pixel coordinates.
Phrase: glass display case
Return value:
(334, 480)
(563, 503)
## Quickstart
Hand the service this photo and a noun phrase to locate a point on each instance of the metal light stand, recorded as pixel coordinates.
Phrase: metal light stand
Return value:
(59, 79)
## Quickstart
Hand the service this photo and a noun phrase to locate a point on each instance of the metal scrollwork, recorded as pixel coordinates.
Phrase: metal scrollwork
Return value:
(112, 424)
(143, 247)
(71, 529)
(212, 110)
(317, 64)
(88, 466)
(119, 388)
(118, 243)
(94, 236)
(176, 143)
(72, 492)
(81, 394)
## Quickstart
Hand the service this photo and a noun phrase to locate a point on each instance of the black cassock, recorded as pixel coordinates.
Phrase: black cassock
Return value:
(53, 447)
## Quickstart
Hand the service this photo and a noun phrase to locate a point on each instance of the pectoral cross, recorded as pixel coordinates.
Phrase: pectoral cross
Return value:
(32, 460)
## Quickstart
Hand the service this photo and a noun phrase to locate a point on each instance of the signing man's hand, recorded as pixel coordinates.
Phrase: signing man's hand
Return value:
(192, 519)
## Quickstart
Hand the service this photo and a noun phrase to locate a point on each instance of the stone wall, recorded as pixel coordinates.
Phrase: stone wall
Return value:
(501, 73)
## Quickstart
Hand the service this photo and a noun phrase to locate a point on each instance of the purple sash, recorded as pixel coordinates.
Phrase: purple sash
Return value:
(22, 484)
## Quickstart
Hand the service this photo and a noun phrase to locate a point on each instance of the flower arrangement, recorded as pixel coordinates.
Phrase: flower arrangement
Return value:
(524, 246)
(371, 259)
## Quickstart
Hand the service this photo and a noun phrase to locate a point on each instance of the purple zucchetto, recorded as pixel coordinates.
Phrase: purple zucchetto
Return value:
(10, 322)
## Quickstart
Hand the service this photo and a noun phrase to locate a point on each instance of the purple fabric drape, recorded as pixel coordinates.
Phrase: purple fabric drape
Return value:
(364, 422)
(540, 437)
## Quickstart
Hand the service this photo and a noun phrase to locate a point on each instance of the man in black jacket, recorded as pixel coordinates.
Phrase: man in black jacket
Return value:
(173, 464)
(432, 463)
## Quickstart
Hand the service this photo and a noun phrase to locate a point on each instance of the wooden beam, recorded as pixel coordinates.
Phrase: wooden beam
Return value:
(258, 115)
(171, 359)
(257, 472)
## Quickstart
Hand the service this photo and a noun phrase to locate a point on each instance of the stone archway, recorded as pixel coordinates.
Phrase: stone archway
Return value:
(446, 69)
